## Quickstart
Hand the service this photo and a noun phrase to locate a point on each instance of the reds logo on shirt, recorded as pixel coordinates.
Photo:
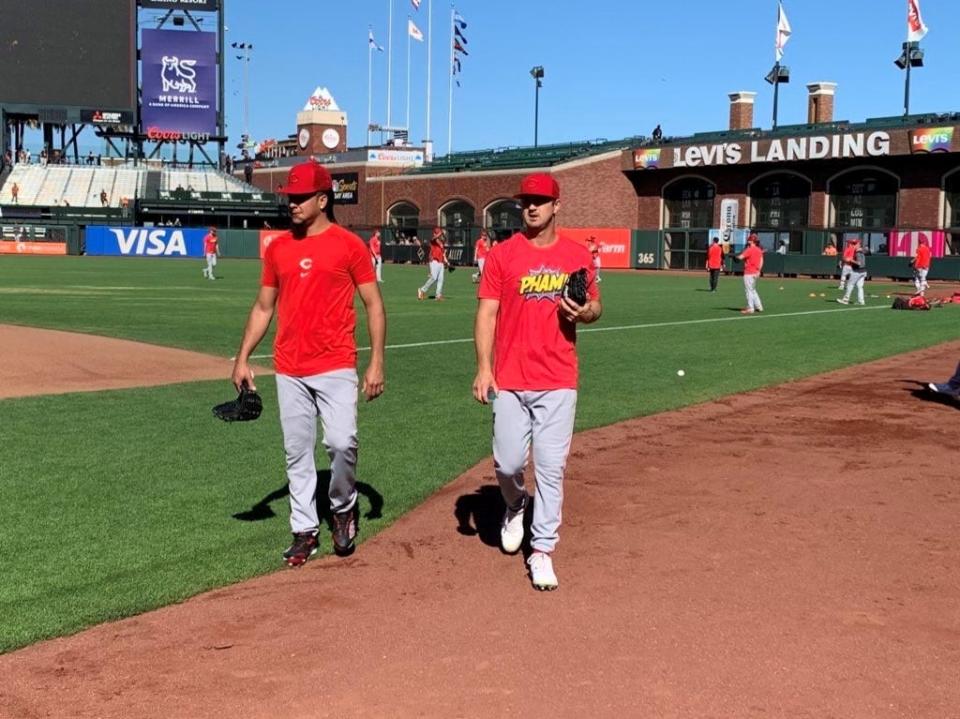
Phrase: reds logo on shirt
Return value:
(305, 264)
(542, 284)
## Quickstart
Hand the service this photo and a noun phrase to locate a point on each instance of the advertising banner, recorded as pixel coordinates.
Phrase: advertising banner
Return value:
(400, 157)
(613, 242)
(729, 218)
(179, 84)
(203, 5)
(346, 188)
(106, 117)
(904, 244)
(931, 139)
(145, 241)
(33, 248)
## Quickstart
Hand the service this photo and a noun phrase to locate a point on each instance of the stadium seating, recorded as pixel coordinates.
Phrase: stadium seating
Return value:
(78, 186)
(202, 180)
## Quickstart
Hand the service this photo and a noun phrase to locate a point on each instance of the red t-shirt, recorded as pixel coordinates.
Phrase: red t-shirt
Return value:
(534, 348)
(317, 277)
(374, 246)
(210, 244)
(715, 256)
(436, 249)
(481, 249)
(752, 260)
(848, 252)
(923, 257)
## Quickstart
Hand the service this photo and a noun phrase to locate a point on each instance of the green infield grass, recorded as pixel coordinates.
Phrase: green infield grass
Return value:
(113, 503)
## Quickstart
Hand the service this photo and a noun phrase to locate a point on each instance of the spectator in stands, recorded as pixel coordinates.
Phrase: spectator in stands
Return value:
(90, 158)
(66, 202)
(15, 193)
(176, 222)
(21, 155)
(248, 173)
(104, 200)
(831, 249)
(657, 134)
(8, 159)
(28, 156)
(43, 157)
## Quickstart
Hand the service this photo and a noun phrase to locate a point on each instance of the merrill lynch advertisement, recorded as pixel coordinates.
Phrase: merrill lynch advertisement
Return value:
(179, 82)
(145, 241)
(346, 188)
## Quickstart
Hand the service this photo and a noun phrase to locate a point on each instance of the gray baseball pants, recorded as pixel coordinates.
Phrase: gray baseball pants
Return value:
(332, 397)
(436, 275)
(750, 290)
(845, 275)
(920, 280)
(544, 418)
(855, 282)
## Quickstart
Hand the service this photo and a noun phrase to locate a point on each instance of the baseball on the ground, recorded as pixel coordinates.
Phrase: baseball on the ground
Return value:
(680, 373)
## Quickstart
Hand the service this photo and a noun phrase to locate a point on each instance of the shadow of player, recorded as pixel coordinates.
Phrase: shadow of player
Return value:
(480, 513)
(262, 510)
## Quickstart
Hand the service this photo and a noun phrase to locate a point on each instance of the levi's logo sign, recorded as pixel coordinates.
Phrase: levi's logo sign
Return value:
(151, 242)
(931, 139)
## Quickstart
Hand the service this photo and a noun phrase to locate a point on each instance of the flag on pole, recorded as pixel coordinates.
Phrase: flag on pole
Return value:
(456, 31)
(373, 43)
(416, 4)
(458, 19)
(915, 27)
(783, 31)
(459, 48)
(414, 32)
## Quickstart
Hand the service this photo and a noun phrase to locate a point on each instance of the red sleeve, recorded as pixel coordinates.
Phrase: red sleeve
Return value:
(491, 281)
(268, 272)
(360, 268)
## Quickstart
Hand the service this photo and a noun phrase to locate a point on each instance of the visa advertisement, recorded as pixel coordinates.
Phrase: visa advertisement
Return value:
(613, 243)
(179, 83)
(145, 241)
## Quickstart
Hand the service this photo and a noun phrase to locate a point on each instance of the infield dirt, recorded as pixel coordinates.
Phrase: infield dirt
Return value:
(791, 552)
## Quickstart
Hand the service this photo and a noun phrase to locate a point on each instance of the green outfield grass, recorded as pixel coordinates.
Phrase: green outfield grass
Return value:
(116, 502)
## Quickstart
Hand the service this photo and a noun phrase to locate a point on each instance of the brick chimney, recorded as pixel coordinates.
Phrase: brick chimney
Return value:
(741, 110)
(820, 102)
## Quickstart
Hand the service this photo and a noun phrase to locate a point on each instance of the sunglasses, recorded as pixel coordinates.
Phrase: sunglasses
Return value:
(300, 199)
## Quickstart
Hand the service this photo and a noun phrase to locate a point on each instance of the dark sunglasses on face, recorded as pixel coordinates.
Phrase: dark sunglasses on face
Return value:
(300, 199)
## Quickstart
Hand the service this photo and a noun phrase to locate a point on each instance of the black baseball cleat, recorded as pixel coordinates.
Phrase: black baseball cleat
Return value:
(304, 546)
(345, 526)
(945, 388)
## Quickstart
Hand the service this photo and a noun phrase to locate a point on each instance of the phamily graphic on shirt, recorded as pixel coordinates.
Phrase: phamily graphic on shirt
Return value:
(545, 283)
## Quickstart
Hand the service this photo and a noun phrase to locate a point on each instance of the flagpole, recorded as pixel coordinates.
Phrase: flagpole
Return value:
(407, 124)
(776, 72)
(369, 83)
(429, 60)
(450, 89)
(389, 59)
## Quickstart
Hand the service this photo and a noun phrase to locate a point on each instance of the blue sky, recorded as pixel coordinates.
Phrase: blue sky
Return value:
(613, 68)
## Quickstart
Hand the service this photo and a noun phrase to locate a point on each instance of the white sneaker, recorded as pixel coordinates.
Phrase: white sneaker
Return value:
(541, 572)
(511, 529)
(843, 301)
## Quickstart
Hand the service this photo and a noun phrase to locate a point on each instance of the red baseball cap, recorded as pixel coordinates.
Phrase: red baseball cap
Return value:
(539, 184)
(307, 178)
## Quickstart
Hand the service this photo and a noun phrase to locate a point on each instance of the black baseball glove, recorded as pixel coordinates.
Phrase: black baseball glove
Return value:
(247, 406)
(575, 288)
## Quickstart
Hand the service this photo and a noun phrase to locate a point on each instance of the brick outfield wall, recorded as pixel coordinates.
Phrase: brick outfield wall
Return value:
(599, 193)
(593, 193)
(921, 178)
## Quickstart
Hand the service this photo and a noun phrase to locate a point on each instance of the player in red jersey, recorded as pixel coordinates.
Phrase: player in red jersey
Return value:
(525, 336)
(309, 278)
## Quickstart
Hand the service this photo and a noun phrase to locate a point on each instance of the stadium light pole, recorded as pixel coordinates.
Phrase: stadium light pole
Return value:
(912, 56)
(537, 74)
(245, 58)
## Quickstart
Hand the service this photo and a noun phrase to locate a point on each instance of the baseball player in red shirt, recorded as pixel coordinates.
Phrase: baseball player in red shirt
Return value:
(438, 262)
(525, 336)
(921, 265)
(714, 262)
(846, 260)
(309, 277)
(375, 255)
(480, 250)
(752, 257)
(594, 246)
(211, 250)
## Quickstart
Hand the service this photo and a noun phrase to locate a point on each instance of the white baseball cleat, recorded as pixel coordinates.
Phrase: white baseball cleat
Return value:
(511, 529)
(541, 572)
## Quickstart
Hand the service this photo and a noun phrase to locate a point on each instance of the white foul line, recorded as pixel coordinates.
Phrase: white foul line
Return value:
(649, 325)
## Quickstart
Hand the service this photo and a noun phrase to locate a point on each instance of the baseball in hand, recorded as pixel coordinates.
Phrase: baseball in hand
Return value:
(680, 373)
